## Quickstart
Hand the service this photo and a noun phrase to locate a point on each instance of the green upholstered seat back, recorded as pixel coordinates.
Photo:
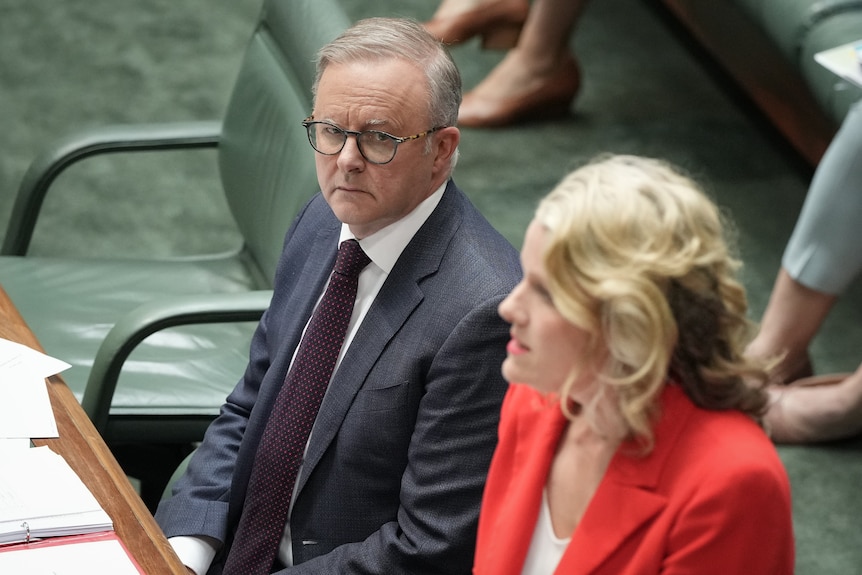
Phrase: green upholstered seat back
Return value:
(266, 164)
(789, 21)
(801, 29)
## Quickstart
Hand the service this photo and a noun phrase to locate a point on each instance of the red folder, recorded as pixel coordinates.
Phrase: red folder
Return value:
(92, 544)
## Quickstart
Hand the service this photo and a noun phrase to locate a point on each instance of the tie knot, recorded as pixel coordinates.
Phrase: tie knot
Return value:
(351, 259)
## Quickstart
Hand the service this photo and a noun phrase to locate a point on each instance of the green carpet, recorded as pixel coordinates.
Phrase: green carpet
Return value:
(66, 66)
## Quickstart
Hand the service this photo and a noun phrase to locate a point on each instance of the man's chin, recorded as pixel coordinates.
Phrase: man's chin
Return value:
(348, 206)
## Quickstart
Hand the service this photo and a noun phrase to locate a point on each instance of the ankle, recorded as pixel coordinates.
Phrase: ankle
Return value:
(787, 362)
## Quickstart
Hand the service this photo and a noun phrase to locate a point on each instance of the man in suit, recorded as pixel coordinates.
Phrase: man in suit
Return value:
(393, 471)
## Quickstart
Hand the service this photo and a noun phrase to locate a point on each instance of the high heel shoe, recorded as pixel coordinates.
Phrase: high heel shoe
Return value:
(552, 99)
(498, 23)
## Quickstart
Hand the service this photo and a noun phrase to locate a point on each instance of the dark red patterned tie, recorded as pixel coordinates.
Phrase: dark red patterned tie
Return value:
(279, 455)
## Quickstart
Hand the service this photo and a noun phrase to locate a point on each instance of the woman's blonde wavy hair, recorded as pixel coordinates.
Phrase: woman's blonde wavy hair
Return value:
(637, 256)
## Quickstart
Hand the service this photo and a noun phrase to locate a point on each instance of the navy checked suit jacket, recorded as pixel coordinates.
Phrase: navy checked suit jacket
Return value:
(396, 465)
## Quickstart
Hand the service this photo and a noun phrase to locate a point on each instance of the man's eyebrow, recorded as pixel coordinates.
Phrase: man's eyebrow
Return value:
(370, 123)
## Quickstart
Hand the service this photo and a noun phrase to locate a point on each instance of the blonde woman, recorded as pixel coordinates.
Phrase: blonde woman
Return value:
(629, 437)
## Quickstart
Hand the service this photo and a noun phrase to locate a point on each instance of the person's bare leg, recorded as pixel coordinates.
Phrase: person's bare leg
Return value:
(498, 22)
(792, 318)
(547, 31)
(540, 58)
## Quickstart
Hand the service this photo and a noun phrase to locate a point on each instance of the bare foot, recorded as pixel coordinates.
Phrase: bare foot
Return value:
(815, 409)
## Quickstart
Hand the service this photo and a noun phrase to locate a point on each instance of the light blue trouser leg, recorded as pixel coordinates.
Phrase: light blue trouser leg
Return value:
(825, 250)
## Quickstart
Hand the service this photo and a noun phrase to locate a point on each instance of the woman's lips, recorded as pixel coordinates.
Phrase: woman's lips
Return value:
(515, 348)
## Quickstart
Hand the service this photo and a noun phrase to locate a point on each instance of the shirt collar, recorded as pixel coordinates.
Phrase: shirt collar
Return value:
(384, 247)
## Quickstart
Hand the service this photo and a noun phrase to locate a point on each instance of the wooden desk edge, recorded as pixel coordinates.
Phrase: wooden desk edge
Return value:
(82, 446)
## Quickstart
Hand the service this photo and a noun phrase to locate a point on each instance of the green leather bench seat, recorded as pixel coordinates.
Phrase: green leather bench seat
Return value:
(834, 94)
(789, 21)
(83, 310)
(801, 28)
(176, 379)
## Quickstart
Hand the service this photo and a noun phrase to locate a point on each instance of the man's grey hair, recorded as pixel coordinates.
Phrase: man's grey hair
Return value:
(404, 39)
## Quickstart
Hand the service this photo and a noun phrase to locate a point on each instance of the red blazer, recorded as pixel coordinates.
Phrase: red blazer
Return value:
(711, 497)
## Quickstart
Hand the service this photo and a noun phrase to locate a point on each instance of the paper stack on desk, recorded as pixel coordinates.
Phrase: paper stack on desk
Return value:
(25, 411)
(41, 496)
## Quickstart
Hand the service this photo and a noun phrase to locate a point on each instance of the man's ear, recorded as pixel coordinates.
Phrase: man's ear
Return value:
(445, 143)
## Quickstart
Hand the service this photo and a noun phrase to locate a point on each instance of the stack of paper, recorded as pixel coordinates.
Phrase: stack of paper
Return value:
(41, 496)
(25, 411)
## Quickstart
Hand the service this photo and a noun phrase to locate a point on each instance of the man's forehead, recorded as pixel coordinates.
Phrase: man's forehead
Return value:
(373, 93)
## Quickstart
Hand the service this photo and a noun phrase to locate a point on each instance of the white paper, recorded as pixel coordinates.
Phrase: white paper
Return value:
(8, 444)
(84, 558)
(41, 494)
(16, 359)
(844, 61)
(25, 409)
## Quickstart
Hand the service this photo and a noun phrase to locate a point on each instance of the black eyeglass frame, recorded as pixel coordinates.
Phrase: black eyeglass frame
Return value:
(310, 121)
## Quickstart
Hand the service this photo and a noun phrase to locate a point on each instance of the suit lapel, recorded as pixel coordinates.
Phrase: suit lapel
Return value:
(616, 512)
(399, 296)
(627, 499)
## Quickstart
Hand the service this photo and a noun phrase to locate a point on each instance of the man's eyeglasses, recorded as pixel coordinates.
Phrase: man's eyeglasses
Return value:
(375, 146)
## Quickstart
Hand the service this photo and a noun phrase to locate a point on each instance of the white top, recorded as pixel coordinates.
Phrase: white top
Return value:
(546, 549)
(384, 247)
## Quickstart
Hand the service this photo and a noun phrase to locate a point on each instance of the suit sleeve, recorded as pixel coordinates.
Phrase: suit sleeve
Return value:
(199, 504)
(450, 451)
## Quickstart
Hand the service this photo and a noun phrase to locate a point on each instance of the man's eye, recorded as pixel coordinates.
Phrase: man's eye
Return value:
(378, 137)
(331, 131)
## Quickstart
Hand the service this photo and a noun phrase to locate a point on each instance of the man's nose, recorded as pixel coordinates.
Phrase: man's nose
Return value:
(350, 157)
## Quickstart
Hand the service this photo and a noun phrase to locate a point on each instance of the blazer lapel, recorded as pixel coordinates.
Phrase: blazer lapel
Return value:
(616, 512)
(379, 326)
(400, 295)
(627, 499)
